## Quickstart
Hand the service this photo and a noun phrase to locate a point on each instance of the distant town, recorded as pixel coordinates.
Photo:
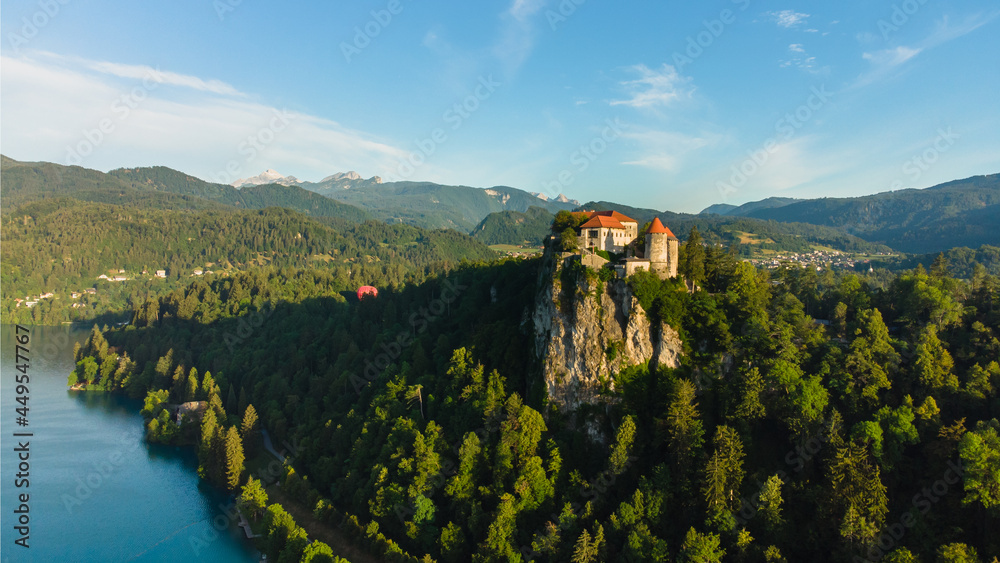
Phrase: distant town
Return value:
(113, 275)
(817, 258)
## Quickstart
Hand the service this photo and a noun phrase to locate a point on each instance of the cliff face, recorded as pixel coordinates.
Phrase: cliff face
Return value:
(586, 331)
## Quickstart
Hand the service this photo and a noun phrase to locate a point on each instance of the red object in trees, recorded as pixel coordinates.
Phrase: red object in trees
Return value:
(367, 290)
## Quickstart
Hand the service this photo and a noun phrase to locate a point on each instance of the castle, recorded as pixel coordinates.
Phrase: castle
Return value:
(614, 232)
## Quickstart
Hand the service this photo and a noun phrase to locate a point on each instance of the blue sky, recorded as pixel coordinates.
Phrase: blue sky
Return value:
(667, 105)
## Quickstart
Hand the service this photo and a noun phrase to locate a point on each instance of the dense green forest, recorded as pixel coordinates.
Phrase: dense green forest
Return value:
(422, 427)
(514, 227)
(63, 245)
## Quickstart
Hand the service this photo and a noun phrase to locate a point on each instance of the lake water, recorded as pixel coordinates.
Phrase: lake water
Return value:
(98, 491)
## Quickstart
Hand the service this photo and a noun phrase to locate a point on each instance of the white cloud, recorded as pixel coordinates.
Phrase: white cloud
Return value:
(61, 108)
(655, 87)
(796, 48)
(788, 18)
(891, 57)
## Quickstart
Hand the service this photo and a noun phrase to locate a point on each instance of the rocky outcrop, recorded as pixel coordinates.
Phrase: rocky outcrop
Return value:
(587, 330)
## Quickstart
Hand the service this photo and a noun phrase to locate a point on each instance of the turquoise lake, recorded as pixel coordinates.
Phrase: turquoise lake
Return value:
(98, 491)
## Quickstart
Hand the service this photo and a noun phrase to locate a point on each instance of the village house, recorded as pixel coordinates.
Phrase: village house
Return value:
(609, 231)
(161, 273)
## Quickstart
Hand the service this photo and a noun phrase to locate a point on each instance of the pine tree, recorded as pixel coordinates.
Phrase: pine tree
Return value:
(933, 366)
(231, 400)
(243, 402)
(207, 386)
(623, 445)
(192, 386)
(724, 472)
(253, 498)
(206, 453)
(692, 262)
(234, 458)
(250, 430)
(685, 428)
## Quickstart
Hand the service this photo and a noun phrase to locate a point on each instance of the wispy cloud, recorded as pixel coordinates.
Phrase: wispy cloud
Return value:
(665, 150)
(788, 18)
(518, 31)
(799, 58)
(946, 31)
(145, 72)
(522, 9)
(202, 130)
(885, 62)
(655, 87)
(891, 57)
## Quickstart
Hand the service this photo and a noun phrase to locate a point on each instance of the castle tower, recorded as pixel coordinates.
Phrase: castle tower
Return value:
(662, 250)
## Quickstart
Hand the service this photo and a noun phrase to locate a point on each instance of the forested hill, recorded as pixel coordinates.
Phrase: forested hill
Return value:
(63, 245)
(959, 213)
(431, 205)
(421, 425)
(515, 227)
(157, 187)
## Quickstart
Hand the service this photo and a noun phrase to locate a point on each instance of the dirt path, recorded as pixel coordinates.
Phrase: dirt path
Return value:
(341, 545)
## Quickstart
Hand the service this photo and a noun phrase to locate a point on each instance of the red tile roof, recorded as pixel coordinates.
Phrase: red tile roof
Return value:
(598, 221)
(657, 227)
(621, 218)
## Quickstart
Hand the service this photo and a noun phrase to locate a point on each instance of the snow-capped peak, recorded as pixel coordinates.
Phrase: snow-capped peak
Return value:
(352, 175)
(269, 176)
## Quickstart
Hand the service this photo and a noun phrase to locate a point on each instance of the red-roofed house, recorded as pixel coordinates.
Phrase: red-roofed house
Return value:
(607, 230)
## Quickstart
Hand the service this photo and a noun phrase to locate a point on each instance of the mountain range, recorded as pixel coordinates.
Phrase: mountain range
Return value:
(958, 213)
(962, 213)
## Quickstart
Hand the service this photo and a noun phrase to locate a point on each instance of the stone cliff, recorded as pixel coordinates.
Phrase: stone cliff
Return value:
(587, 330)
